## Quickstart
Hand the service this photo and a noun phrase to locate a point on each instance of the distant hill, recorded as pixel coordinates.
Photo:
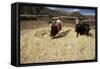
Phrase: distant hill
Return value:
(38, 10)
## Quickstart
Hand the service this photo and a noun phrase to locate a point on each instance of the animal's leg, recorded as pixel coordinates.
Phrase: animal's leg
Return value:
(77, 35)
(87, 33)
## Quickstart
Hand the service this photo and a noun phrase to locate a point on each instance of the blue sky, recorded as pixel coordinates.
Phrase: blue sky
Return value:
(82, 11)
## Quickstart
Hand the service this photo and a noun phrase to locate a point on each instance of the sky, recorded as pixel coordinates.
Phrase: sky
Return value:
(82, 11)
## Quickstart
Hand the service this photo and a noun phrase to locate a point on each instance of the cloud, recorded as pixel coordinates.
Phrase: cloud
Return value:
(72, 10)
(64, 9)
(89, 14)
(52, 8)
(75, 10)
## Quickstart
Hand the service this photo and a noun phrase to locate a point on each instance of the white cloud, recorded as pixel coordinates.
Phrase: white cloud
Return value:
(89, 14)
(73, 10)
(76, 10)
(52, 8)
(67, 10)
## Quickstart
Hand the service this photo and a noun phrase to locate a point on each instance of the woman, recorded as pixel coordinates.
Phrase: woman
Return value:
(59, 24)
(54, 30)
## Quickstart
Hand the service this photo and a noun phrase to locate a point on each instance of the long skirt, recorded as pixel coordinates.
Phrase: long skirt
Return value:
(54, 30)
(59, 27)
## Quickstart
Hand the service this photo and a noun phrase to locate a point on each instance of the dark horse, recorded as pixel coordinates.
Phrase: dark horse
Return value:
(82, 29)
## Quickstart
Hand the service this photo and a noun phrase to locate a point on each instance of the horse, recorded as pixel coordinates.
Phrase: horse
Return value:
(82, 28)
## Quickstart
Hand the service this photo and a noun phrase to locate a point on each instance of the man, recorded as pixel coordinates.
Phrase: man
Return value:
(77, 21)
(76, 24)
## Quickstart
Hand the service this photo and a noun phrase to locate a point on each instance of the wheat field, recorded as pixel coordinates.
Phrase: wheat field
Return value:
(36, 46)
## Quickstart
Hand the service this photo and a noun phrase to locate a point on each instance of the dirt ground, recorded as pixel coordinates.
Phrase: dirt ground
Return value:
(36, 46)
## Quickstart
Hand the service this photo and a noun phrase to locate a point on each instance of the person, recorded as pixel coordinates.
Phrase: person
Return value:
(59, 24)
(76, 23)
(53, 27)
(52, 21)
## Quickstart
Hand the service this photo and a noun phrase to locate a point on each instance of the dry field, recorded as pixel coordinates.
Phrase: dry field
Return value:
(37, 46)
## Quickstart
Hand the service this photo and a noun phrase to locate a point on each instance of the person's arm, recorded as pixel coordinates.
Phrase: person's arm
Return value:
(61, 22)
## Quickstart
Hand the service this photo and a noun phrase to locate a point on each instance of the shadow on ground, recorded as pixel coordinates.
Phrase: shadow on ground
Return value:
(63, 34)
